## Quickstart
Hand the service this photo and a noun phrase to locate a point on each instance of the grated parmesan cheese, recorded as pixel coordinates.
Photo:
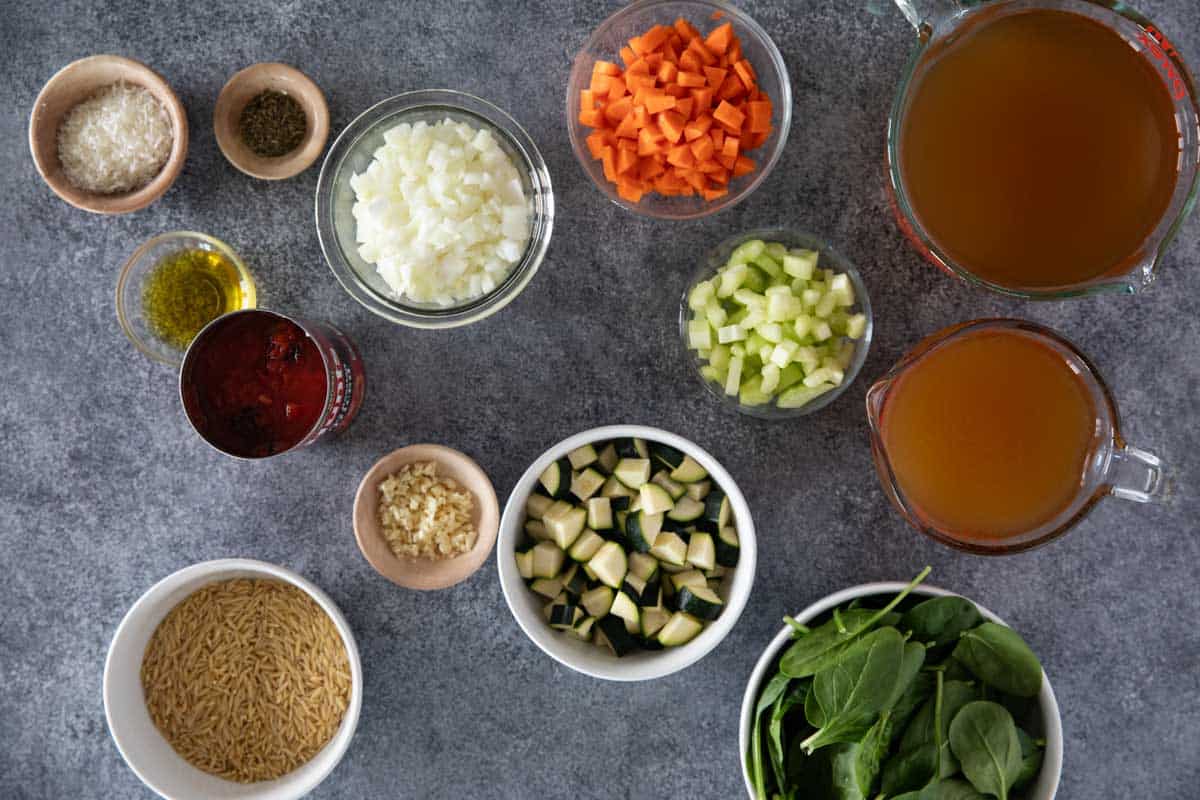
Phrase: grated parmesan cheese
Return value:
(115, 141)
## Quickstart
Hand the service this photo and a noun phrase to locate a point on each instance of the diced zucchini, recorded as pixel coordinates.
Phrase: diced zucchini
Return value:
(607, 459)
(642, 530)
(727, 547)
(666, 455)
(621, 503)
(663, 479)
(689, 471)
(686, 510)
(525, 564)
(632, 448)
(643, 565)
(633, 472)
(699, 601)
(556, 478)
(701, 552)
(680, 629)
(599, 514)
(575, 581)
(692, 577)
(565, 528)
(699, 490)
(652, 594)
(582, 456)
(655, 499)
(547, 560)
(616, 636)
(717, 508)
(586, 483)
(536, 530)
(598, 601)
(633, 586)
(669, 549)
(547, 587)
(614, 488)
(583, 629)
(609, 564)
(563, 617)
(536, 505)
(586, 546)
(627, 609)
(653, 620)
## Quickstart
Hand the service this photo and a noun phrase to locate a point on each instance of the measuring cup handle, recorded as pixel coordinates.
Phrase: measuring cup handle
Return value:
(1136, 475)
(923, 14)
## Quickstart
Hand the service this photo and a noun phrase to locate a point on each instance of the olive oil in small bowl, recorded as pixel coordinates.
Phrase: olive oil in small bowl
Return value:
(174, 285)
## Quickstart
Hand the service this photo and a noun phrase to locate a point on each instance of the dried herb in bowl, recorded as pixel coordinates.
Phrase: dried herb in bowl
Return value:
(273, 124)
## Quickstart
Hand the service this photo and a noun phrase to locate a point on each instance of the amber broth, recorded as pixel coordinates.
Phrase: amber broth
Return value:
(1039, 149)
(989, 435)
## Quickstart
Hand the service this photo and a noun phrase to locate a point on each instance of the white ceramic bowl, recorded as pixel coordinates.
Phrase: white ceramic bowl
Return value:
(147, 752)
(585, 657)
(1046, 785)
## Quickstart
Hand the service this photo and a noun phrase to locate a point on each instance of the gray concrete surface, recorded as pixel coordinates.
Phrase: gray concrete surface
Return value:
(104, 489)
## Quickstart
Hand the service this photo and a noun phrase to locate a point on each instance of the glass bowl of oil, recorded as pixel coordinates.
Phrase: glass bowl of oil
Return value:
(174, 285)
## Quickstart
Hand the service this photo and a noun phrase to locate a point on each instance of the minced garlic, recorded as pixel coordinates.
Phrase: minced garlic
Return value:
(424, 516)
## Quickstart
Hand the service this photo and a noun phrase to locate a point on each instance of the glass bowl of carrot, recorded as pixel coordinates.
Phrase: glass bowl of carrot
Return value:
(678, 109)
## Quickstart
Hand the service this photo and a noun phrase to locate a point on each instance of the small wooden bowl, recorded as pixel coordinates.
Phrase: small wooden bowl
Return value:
(426, 573)
(243, 87)
(72, 85)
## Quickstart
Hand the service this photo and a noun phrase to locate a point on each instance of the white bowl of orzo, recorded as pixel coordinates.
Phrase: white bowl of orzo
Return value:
(233, 679)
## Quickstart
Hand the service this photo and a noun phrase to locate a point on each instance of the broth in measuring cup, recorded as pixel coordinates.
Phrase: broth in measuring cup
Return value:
(1038, 148)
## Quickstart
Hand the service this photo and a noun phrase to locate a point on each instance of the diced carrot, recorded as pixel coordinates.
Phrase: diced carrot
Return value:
(721, 37)
(696, 179)
(727, 115)
(628, 128)
(730, 148)
(759, 112)
(713, 194)
(670, 51)
(744, 166)
(587, 99)
(704, 98)
(690, 61)
(667, 72)
(735, 52)
(639, 67)
(686, 30)
(605, 68)
(715, 76)
(596, 140)
(731, 89)
(618, 109)
(636, 82)
(655, 37)
(753, 141)
(641, 117)
(626, 144)
(702, 148)
(649, 168)
(616, 88)
(709, 166)
(702, 52)
(728, 162)
(599, 84)
(746, 73)
(691, 80)
(591, 117)
(685, 105)
(628, 56)
(657, 103)
(630, 190)
(626, 160)
(671, 124)
(649, 142)
(608, 157)
(681, 156)
(675, 90)
(697, 127)
(655, 60)
(635, 44)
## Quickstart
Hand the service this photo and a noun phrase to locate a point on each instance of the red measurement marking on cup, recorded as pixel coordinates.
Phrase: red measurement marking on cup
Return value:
(1161, 51)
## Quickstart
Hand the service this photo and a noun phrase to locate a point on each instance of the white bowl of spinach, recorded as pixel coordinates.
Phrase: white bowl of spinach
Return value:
(902, 691)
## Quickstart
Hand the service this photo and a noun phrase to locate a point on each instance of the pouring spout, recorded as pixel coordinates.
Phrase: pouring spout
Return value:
(922, 14)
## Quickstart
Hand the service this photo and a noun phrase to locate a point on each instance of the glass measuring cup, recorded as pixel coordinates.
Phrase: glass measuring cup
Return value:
(941, 23)
(1111, 467)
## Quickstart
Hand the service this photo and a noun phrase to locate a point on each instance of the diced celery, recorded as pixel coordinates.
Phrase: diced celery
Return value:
(719, 357)
(752, 393)
(845, 355)
(699, 335)
(715, 313)
(771, 331)
(781, 356)
(770, 378)
(731, 280)
(807, 358)
(821, 331)
(800, 264)
(856, 326)
(837, 322)
(802, 395)
(755, 342)
(829, 374)
(810, 297)
(731, 333)
(802, 326)
(790, 376)
(755, 316)
(738, 350)
(703, 354)
(750, 299)
(701, 293)
(756, 280)
(770, 266)
(747, 251)
(782, 306)
(776, 250)
(711, 373)
(764, 354)
(825, 306)
(842, 290)
(733, 378)
(736, 317)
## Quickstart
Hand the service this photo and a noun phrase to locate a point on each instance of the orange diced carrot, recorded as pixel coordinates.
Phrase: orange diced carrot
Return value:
(618, 109)
(697, 127)
(705, 55)
(709, 166)
(587, 99)
(752, 141)
(639, 67)
(671, 124)
(656, 103)
(713, 194)
(691, 80)
(628, 56)
(667, 72)
(718, 137)
(728, 162)
(690, 61)
(721, 37)
(635, 44)
(641, 117)
(626, 160)
(702, 148)
(746, 73)
(655, 60)
(636, 82)
(616, 88)
(715, 76)
(684, 106)
(605, 68)
(681, 156)
(744, 166)
(675, 90)
(649, 168)
(695, 178)
(671, 50)
(630, 190)
(731, 89)
(704, 98)
(608, 157)
(596, 140)
(730, 148)
(649, 142)
(628, 127)
(686, 30)
(591, 117)
(734, 53)
(655, 37)
(759, 112)
(599, 84)
(728, 116)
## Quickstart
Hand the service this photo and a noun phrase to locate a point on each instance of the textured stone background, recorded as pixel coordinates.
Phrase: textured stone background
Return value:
(104, 489)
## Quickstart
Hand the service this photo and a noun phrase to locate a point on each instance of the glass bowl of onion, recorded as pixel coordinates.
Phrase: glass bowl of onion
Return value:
(434, 209)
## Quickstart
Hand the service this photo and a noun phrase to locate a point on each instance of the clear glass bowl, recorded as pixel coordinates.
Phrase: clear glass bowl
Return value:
(634, 20)
(139, 267)
(352, 153)
(830, 258)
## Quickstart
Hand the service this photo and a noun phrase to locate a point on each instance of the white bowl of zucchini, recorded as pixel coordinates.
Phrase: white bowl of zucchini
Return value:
(626, 553)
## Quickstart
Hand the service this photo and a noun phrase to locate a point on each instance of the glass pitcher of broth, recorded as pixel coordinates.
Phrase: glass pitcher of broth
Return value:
(1042, 148)
(995, 436)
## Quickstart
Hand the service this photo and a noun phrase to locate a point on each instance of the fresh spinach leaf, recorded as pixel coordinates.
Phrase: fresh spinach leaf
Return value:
(998, 656)
(853, 692)
(754, 759)
(823, 646)
(910, 666)
(918, 691)
(1031, 760)
(793, 697)
(812, 710)
(950, 790)
(924, 728)
(909, 770)
(984, 739)
(940, 620)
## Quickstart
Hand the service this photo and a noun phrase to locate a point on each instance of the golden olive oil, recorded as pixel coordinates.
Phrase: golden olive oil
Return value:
(188, 289)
